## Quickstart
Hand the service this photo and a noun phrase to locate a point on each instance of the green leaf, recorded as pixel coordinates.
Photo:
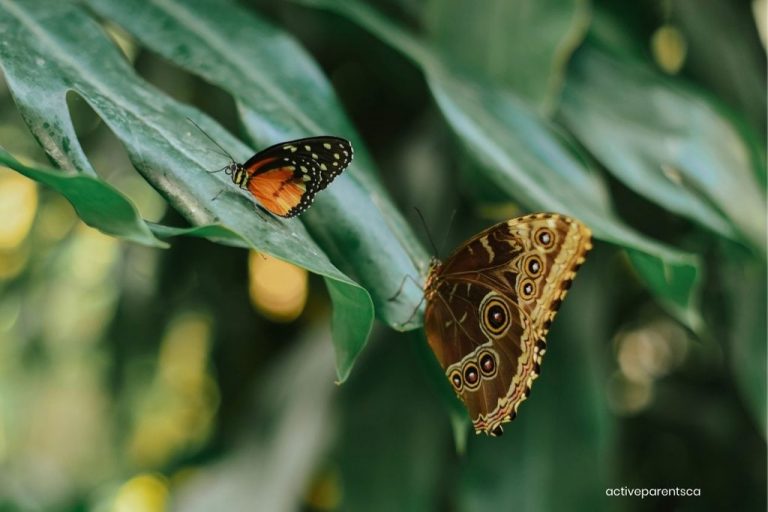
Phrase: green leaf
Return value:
(91, 198)
(740, 76)
(665, 141)
(50, 48)
(348, 308)
(522, 45)
(527, 158)
(681, 285)
(282, 94)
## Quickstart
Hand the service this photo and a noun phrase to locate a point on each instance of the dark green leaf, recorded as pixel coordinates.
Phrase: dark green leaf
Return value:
(50, 48)
(282, 94)
(666, 142)
(681, 285)
(740, 74)
(91, 198)
(523, 45)
(524, 156)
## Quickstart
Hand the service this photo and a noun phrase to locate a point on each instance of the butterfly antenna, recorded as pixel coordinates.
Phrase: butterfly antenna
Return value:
(429, 235)
(225, 152)
(448, 230)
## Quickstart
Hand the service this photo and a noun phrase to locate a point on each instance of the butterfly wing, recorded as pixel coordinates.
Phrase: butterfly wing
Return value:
(488, 373)
(285, 177)
(490, 306)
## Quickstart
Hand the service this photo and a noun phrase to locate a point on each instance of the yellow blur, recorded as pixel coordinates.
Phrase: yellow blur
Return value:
(146, 492)
(278, 289)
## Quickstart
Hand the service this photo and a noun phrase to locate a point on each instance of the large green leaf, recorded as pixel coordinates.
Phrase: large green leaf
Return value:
(282, 94)
(526, 157)
(523, 45)
(91, 197)
(740, 76)
(666, 142)
(50, 48)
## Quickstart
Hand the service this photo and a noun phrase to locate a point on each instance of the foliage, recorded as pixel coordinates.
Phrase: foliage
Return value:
(656, 363)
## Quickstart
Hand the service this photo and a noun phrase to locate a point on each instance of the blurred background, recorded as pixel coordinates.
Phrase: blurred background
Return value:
(202, 376)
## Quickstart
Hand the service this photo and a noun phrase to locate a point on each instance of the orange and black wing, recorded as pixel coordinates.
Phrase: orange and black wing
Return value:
(285, 177)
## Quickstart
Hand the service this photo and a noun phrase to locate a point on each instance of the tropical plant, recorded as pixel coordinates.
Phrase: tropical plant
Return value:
(132, 358)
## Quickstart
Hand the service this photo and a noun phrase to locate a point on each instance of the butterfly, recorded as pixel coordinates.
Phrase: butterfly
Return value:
(284, 178)
(490, 305)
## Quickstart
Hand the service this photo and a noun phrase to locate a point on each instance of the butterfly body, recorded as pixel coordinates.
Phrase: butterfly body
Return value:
(284, 178)
(490, 305)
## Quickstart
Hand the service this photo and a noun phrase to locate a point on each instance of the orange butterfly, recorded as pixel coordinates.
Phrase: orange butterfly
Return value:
(284, 178)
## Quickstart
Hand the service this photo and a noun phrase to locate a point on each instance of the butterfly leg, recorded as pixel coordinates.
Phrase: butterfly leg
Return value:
(413, 313)
(402, 285)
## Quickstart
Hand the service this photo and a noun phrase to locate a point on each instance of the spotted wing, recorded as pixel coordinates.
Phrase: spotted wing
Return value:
(285, 177)
(491, 305)
(489, 372)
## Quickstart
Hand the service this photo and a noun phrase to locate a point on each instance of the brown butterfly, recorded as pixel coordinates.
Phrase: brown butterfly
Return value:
(490, 305)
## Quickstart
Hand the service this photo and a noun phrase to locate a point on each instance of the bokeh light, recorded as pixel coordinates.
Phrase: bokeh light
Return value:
(175, 411)
(145, 493)
(278, 289)
(18, 204)
(669, 48)
(644, 355)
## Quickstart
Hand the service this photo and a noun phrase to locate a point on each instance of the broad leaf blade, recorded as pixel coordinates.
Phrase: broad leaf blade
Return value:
(91, 197)
(524, 158)
(523, 45)
(54, 47)
(666, 142)
(282, 94)
(523, 155)
(740, 74)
